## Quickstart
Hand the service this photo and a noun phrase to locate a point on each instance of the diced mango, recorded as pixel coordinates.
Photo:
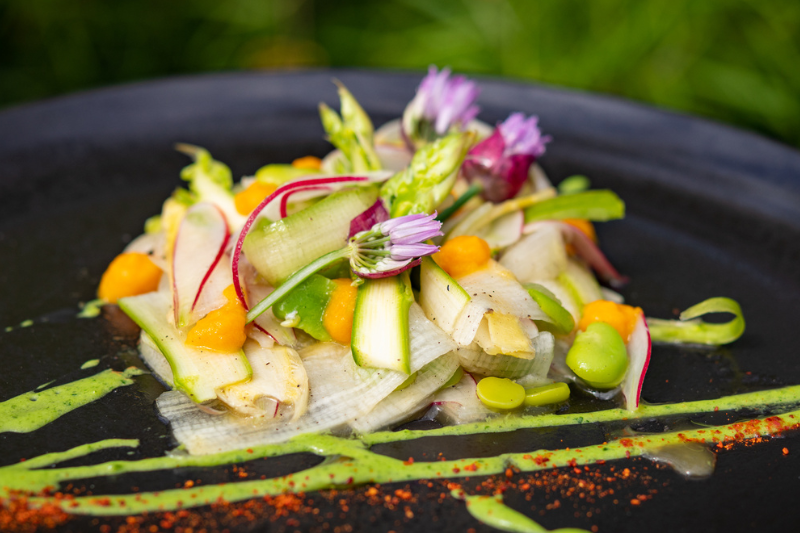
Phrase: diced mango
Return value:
(129, 274)
(621, 317)
(309, 162)
(338, 317)
(248, 199)
(221, 330)
(463, 255)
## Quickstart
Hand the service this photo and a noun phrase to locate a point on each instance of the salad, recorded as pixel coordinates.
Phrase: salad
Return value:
(426, 269)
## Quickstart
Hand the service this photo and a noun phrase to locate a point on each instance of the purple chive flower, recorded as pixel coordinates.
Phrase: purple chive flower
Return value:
(501, 161)
(390, 247)
(441, 104)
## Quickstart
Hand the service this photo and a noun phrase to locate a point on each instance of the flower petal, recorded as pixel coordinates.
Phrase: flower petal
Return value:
(402, 252)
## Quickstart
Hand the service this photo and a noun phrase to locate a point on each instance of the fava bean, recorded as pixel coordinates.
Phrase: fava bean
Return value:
(547, 394)
(408, 382)
(561, 321)
(454, 379)
(598, 356)
(500, 393)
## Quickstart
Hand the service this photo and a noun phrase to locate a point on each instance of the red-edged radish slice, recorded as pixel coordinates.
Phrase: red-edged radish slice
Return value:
(266, 321)
(586, 249)
(269, 200)
(506, 230)
(639, 346)
(459, 404)
(370, 217)
(212, 296)
(332, 182)
(305, 193)
(199, 245)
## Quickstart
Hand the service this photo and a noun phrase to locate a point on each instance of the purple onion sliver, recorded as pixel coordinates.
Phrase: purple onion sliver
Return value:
(373, 215)
(491, 148)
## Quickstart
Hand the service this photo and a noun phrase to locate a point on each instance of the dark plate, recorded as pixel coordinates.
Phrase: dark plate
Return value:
(712, 211)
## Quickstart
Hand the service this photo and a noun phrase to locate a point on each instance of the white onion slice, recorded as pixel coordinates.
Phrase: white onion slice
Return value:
(339, 392)
(475, 360)
(278, 373)
(493, 288)
(401, 405)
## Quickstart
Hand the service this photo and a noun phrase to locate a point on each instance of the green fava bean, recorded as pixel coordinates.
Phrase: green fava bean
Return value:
(408, 382)
(562, 321)
(500, 393)
(547, 394)
(598, 356)
(454, 379)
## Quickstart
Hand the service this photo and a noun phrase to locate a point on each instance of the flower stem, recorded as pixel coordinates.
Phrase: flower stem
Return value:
(296, 279)
(474, 189)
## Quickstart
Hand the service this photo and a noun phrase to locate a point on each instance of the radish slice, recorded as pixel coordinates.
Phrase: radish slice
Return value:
(459, 404)
(639, 347)
(306, 193)
(266, 321)
(279, 192)
(332, 182)
(505, 231)
(586, 249)
(199, 246)
(370, 217)
(212, 296)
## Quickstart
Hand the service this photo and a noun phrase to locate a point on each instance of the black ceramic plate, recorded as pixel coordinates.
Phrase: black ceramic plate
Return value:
(712, 211)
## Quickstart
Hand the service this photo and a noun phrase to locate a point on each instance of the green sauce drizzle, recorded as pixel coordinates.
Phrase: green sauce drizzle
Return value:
(788, 396)
(350, 463)
(91, 309)
(32, 410)
(493, 512)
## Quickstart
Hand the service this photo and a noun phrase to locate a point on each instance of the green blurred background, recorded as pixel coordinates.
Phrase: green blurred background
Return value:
(733, 60)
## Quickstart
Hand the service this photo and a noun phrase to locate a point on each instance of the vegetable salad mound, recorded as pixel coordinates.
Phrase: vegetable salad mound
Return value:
(426, 269)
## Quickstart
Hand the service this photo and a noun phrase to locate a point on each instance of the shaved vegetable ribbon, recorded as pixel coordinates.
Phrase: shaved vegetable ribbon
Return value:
(296, 279)
(279, 193)
(690, 329)
(598, 206)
